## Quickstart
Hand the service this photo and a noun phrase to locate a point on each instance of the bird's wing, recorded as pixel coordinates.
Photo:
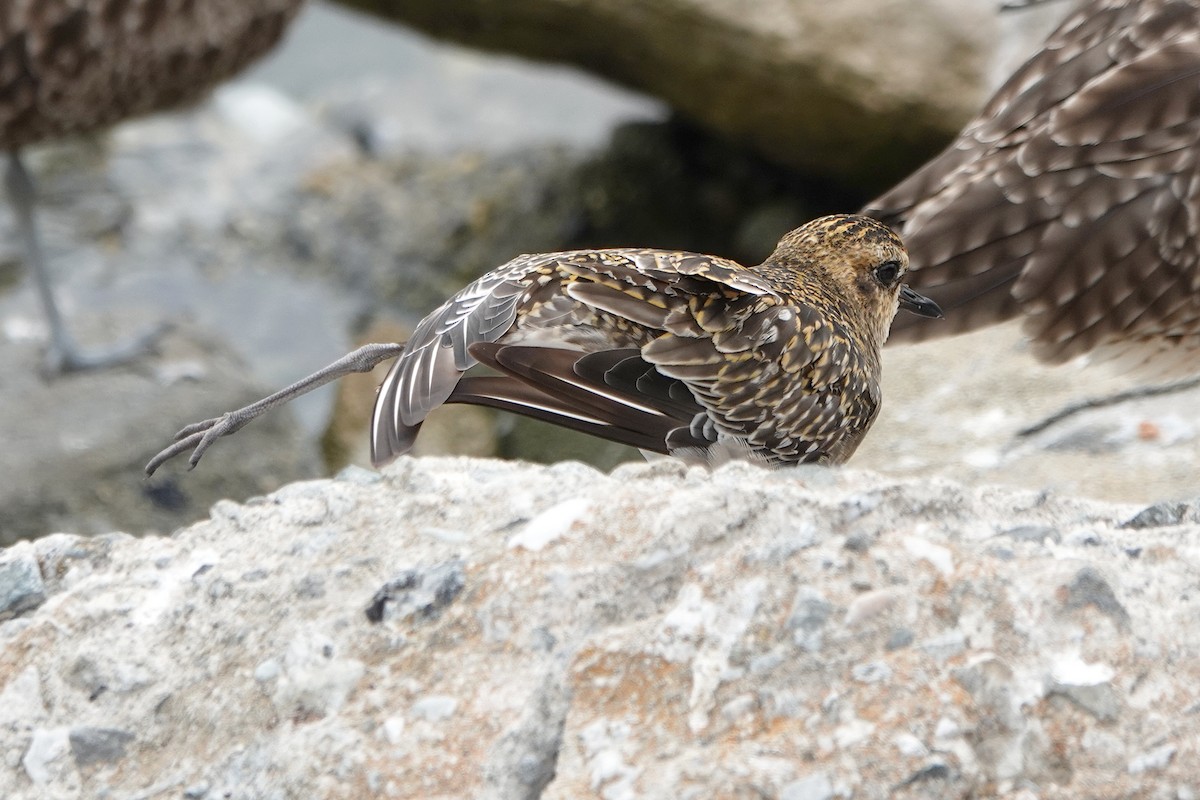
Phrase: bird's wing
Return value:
(436, 354)
(612, 394)
(592, 299)
(1044, 202)
(784, 378)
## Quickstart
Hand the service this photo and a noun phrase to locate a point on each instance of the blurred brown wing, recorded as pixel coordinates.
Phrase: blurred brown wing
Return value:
(1072, 197)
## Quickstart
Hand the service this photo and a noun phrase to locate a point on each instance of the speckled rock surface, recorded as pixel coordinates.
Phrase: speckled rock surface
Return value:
(471, 628)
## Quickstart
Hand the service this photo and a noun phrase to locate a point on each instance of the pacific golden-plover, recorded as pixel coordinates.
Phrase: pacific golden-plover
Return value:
(75, 66)
(1073, 199)
(671, 352)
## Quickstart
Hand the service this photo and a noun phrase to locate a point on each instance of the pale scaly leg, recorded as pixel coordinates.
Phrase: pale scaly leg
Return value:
(200, 436)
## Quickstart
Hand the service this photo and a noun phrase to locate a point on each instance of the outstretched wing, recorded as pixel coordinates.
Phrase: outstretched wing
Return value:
(1074, 195)
(590, 300)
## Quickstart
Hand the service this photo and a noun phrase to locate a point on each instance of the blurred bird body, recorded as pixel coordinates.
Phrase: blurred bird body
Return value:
(1073, 199)
(75, 66)
(675, 353)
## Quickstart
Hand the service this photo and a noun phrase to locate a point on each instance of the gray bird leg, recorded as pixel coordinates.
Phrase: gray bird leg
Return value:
(1136, 393)
(1018, 5)
(64, 355)
(201, 435)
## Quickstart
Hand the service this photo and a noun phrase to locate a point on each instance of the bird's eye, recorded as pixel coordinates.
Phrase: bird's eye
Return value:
(887, 273)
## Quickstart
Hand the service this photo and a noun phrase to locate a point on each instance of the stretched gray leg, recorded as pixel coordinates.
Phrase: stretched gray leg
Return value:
(64, 355)
(1135, 393)
(1017, 5)
(201, 435)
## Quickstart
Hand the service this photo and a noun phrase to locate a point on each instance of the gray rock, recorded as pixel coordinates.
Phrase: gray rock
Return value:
(1158, 515)
(955, 408)
(98, 745)
(1033, 533)
(810, 612)
(421, 593)
(849, 88)
(858, 542)
(1089, 588)
(932, 772)
(21, 586)
(645, 653)
(197, 791)
(99, 486)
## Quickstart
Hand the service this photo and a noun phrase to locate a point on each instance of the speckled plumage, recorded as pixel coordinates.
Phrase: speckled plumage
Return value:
(1073, 199)
(72, 66)
(668, 351)
(676, 353)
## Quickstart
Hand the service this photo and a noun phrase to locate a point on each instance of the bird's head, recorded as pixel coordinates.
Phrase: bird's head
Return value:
(863, 259)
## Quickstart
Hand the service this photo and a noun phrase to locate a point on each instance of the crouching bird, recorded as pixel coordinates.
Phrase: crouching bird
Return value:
(671, 352)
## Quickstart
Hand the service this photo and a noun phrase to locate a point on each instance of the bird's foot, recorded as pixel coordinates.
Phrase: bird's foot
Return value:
(198, 437)
(65, 356)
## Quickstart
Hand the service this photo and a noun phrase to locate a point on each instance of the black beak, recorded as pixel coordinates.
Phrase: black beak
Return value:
(919, 304)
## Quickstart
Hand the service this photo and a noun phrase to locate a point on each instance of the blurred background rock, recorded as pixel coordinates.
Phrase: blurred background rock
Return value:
(348, 183)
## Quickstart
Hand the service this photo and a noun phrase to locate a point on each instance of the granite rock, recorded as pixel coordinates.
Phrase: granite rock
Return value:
(658, 631)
